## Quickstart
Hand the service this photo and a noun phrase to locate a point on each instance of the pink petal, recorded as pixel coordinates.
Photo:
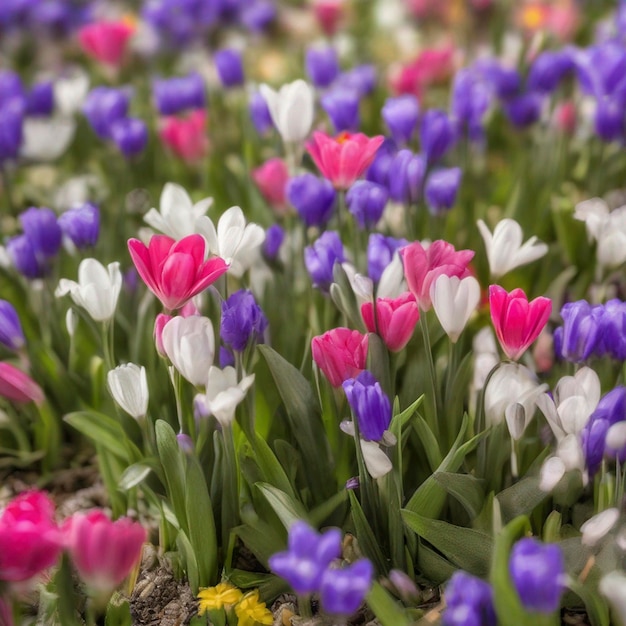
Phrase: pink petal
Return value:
(177, 280)
(193, 245)
(209, 273)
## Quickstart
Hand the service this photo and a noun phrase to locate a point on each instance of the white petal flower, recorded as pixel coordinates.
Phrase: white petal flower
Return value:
(377, 462)
(551, 473)
(613, 587)
(189, 343)
(177, 215)
(70, 91)
(97, 289)
(508, 385)
(595, 213)
(224, 393)
(291, 109)
(598, 526)
(575, 398)
(504, 247)
(129, 387)
(616, 437)
(46, 139)
(235, 241)
(454, 301)
(392, 283)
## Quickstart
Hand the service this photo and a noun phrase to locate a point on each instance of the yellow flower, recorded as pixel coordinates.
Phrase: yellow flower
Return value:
(218, 597)
(250, 611)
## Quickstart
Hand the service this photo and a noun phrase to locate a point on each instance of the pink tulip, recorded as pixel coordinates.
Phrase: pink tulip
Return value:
(422, 267)
(30, 540)
(104, 552)
(340, 353)
(175, 271)
(271, 179)
(395, 319)
(344, 158)
(17, 386)
(106, 41)
(186, 136)
(328, 14)
(517, 321)
(432, 65)
(159, 324)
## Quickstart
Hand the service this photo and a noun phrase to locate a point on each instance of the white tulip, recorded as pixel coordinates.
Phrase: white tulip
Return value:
(177, 214)
(47, 138)
(509, 385)
(454, 301)
(613, 587)
(291, 109)
(70, 91)
(223, 394)
(97, 289)
(377, 462)
(392, 283)
(504, 247)
(575, 398)
(235, 241)
(551, 473)
(189, 343)
(598, 526)
(129, 387)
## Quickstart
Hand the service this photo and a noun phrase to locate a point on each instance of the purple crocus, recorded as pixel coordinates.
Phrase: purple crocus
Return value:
(609, 119)
(42, 229)
(524, 110)
(260, 113)
(400, 115)
(613, 329)
(342, 107)
(178, 94)
(469, 602)
(130, 135)
(40, 99)
(104, 106)
(322, 65)
(11, 129)
(24, 257)
(548, 69)
(11, 333)
(343, 590)
(274, 237)
(437, 135)
(381, 167)
(308, 556)
(361, 78)
(441, 189)
(579, 337)
(406, 177)
(243, 321)
(380, 251)
(313, 198)
(370, 405)
(229, 67)
(320, 259)
(538, 571)
(81, 225)
(366, 201)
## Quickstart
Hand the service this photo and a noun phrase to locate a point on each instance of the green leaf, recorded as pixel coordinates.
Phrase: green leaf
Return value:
(467, 548)
(104, 430)
(303, 413)
(270, 467)
(435, 567)
(365, 536)
(387, 611)
(118, 611)
(430, 497)
(191, 565)
(134, 475)
(320, 516)
(261, 539)
(595, 604)
(286, 508)
(174, 469)
(201, 523)
(521, 498)
(467, 489)
(269, 586)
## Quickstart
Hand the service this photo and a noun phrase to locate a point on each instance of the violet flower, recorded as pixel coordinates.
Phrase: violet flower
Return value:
(308, 556)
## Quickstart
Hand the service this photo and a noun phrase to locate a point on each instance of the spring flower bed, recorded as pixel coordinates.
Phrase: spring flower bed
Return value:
(326, 298)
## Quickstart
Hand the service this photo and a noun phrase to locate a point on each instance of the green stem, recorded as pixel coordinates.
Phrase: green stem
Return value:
(304, 606)
(230, 501)
(432, 417)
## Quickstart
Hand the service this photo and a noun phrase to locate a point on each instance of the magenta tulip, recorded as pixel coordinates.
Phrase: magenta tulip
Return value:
(395, 319)
(517, 321)
(175, 271)
(340, 353)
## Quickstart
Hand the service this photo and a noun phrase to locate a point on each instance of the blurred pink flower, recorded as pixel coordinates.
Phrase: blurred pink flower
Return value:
(104, 552)
(517, 322)
(17, 386)
(422, 267)
(106, 42)
(344, 158)
(340, 353)
(30, 540)
(432, 65)
(175, 271)
(186, 136)
(395, 319)
(328, 14)
(271, 179)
